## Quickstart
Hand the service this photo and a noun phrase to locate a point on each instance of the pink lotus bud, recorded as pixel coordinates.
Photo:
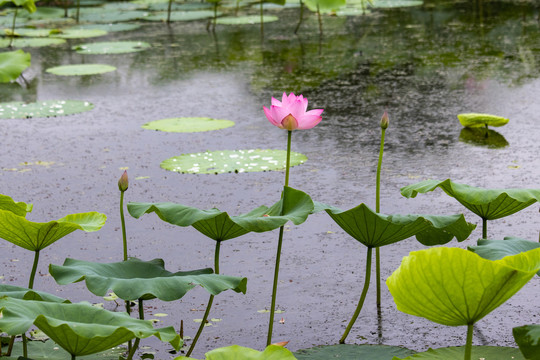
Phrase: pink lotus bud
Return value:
(123, 183)
(291, 113)
(384, 121)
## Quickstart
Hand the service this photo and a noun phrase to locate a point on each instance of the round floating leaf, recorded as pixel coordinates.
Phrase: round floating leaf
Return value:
(243, 20)
(113, 47)
(481, 120)
(236, 352)
(482, 137)
(20, 110)
(324, 6)
(478, 352)
(18, 208)
(228, 161)
(37, 236)
(455, 287)
(33, 32)
(489, 204)
(46, 13)
(188, 124)
(109, 27)
(48, 350)
(134, 279)
(12, 64)
(353, 11)
(376, 230)
(108, 16)
(164, 6)
(79, 33)
(80, 329)
(78, 70)
(31, 42)
(182, 15)
(528, 339)
(218, 225)
(352, 352)
(387, 4)
(18, 292)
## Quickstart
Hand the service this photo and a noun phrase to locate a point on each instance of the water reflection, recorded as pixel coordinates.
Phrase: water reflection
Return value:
(482, 137)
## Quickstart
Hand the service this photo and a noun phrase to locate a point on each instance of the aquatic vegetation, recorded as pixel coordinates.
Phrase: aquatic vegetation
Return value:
(188, 124)
(12, 64)
(528, 339)
(81, 70)
(236, 352)
(49, 108)
(481, 120)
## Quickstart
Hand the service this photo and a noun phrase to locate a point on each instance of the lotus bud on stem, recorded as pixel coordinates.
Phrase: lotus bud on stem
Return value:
(384, 125)
(123, 184)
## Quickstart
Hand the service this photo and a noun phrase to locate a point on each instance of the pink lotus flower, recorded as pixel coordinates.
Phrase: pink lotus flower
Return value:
(290, 113)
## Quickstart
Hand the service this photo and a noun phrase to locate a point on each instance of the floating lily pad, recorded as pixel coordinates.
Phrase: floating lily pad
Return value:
(79, 33)
(83, 69)
(109, 27)
(387, 4)
(112, 47)
(228, 161)
(44, 12)
(50, 350)
(108, 16)
(182, 15)
(242, 353)
(352, 352)
(481, 120)
(124, 6)
(188, 124)
(20, 110)
(478, 352)
(243, 20)
(32, 32)
(164, 6)
(31, 42)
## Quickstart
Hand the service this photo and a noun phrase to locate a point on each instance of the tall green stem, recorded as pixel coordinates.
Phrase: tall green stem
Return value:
(210, 301)
(34, 270)
(122, 219)
(13, 28)
(73, 357)
(137, 340)
(25, 345)
(378, 210)
(362, 297)
(169, 12)
(484, 228)
(262, 23)
(320, 20)
(301, 17)
(468, 345)
(78, 11)
(280, 243)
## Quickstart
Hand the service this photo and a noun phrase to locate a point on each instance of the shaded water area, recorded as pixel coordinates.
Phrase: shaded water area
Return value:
(424, 65)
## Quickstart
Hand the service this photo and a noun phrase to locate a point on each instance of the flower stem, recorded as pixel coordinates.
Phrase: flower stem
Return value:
(13, 27)
(137, 340)
(301, 17)
(210, 301)
(34, 269)
(78, 11)
(124, 238)
(468, 345)
(280, 243)
(25, 345)
(484, 228)
(378, 210)
(362, 297)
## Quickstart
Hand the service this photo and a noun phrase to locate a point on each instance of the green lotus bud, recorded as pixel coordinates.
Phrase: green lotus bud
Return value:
(384, 121)
(123, 183)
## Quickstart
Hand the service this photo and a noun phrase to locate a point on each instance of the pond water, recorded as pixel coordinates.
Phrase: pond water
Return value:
(424, 65)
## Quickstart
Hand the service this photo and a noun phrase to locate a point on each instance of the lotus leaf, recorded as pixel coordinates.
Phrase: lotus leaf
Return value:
(108, 27)
(229, 161)
(79, 33)
(481, 120)
(107, 16)
(218, 225)
(236, 352)
(528, 339)
(12, 64)
(324, 6)
(113, 47)
(388, 4)
(20, 110)
(182, 15)
(457, 352)
(31, 42)
(28, 5)
(136, 279)
(46, 13)
(352, 352)
(18, 208)
(376, 230)
(28, 294)
(489, 204)
(40, 350)
(455, 287)
(81, 329)
(37, 236)
(188, 124)
(245, 20)
(80, 70)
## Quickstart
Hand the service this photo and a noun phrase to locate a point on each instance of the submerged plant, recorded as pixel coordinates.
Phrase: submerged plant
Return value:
(290, 114)
(456, 287)
(489, 204)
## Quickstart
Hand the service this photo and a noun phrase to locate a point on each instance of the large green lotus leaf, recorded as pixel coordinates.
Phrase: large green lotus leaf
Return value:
(79, 33)
(324, 6)
(12, 64)
(81, 329)
(30, 42)
(497, 249)
(388, 4)
(80, 70)
(108, 27)
(182, 15)
(32, 32)
(218, 225)
(352, 352)
(188, 124)
(489, 204)
(112, 47)
(453, 286)
(528, 339)
(18, 208)
(458, 352)
(28, 294)
(37, 236)
(107, 16)
(246, 20)
(229, 161)
(376, 230)
(481, 120)
(188, 6)
(135, 279)
(236, 352)
(28, 5)
(46, 13)
(50, 108)
(477, 136)
(49, 350)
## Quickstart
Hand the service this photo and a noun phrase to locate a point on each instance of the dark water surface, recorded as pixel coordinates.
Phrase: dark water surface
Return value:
(422, 65)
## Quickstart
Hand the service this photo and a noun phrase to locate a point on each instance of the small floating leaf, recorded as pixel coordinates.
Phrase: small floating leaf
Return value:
(182, 15)
(108, 27)
(79, 33)
(479, 120)
(349, 351)
(79, 70)
(387, 4)
(20, 110)
(113, 47)
(188, 124)
(107, 16)
(478, 352)
(31, 42)
(237, 352)
(229, 161)
(244, 20)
